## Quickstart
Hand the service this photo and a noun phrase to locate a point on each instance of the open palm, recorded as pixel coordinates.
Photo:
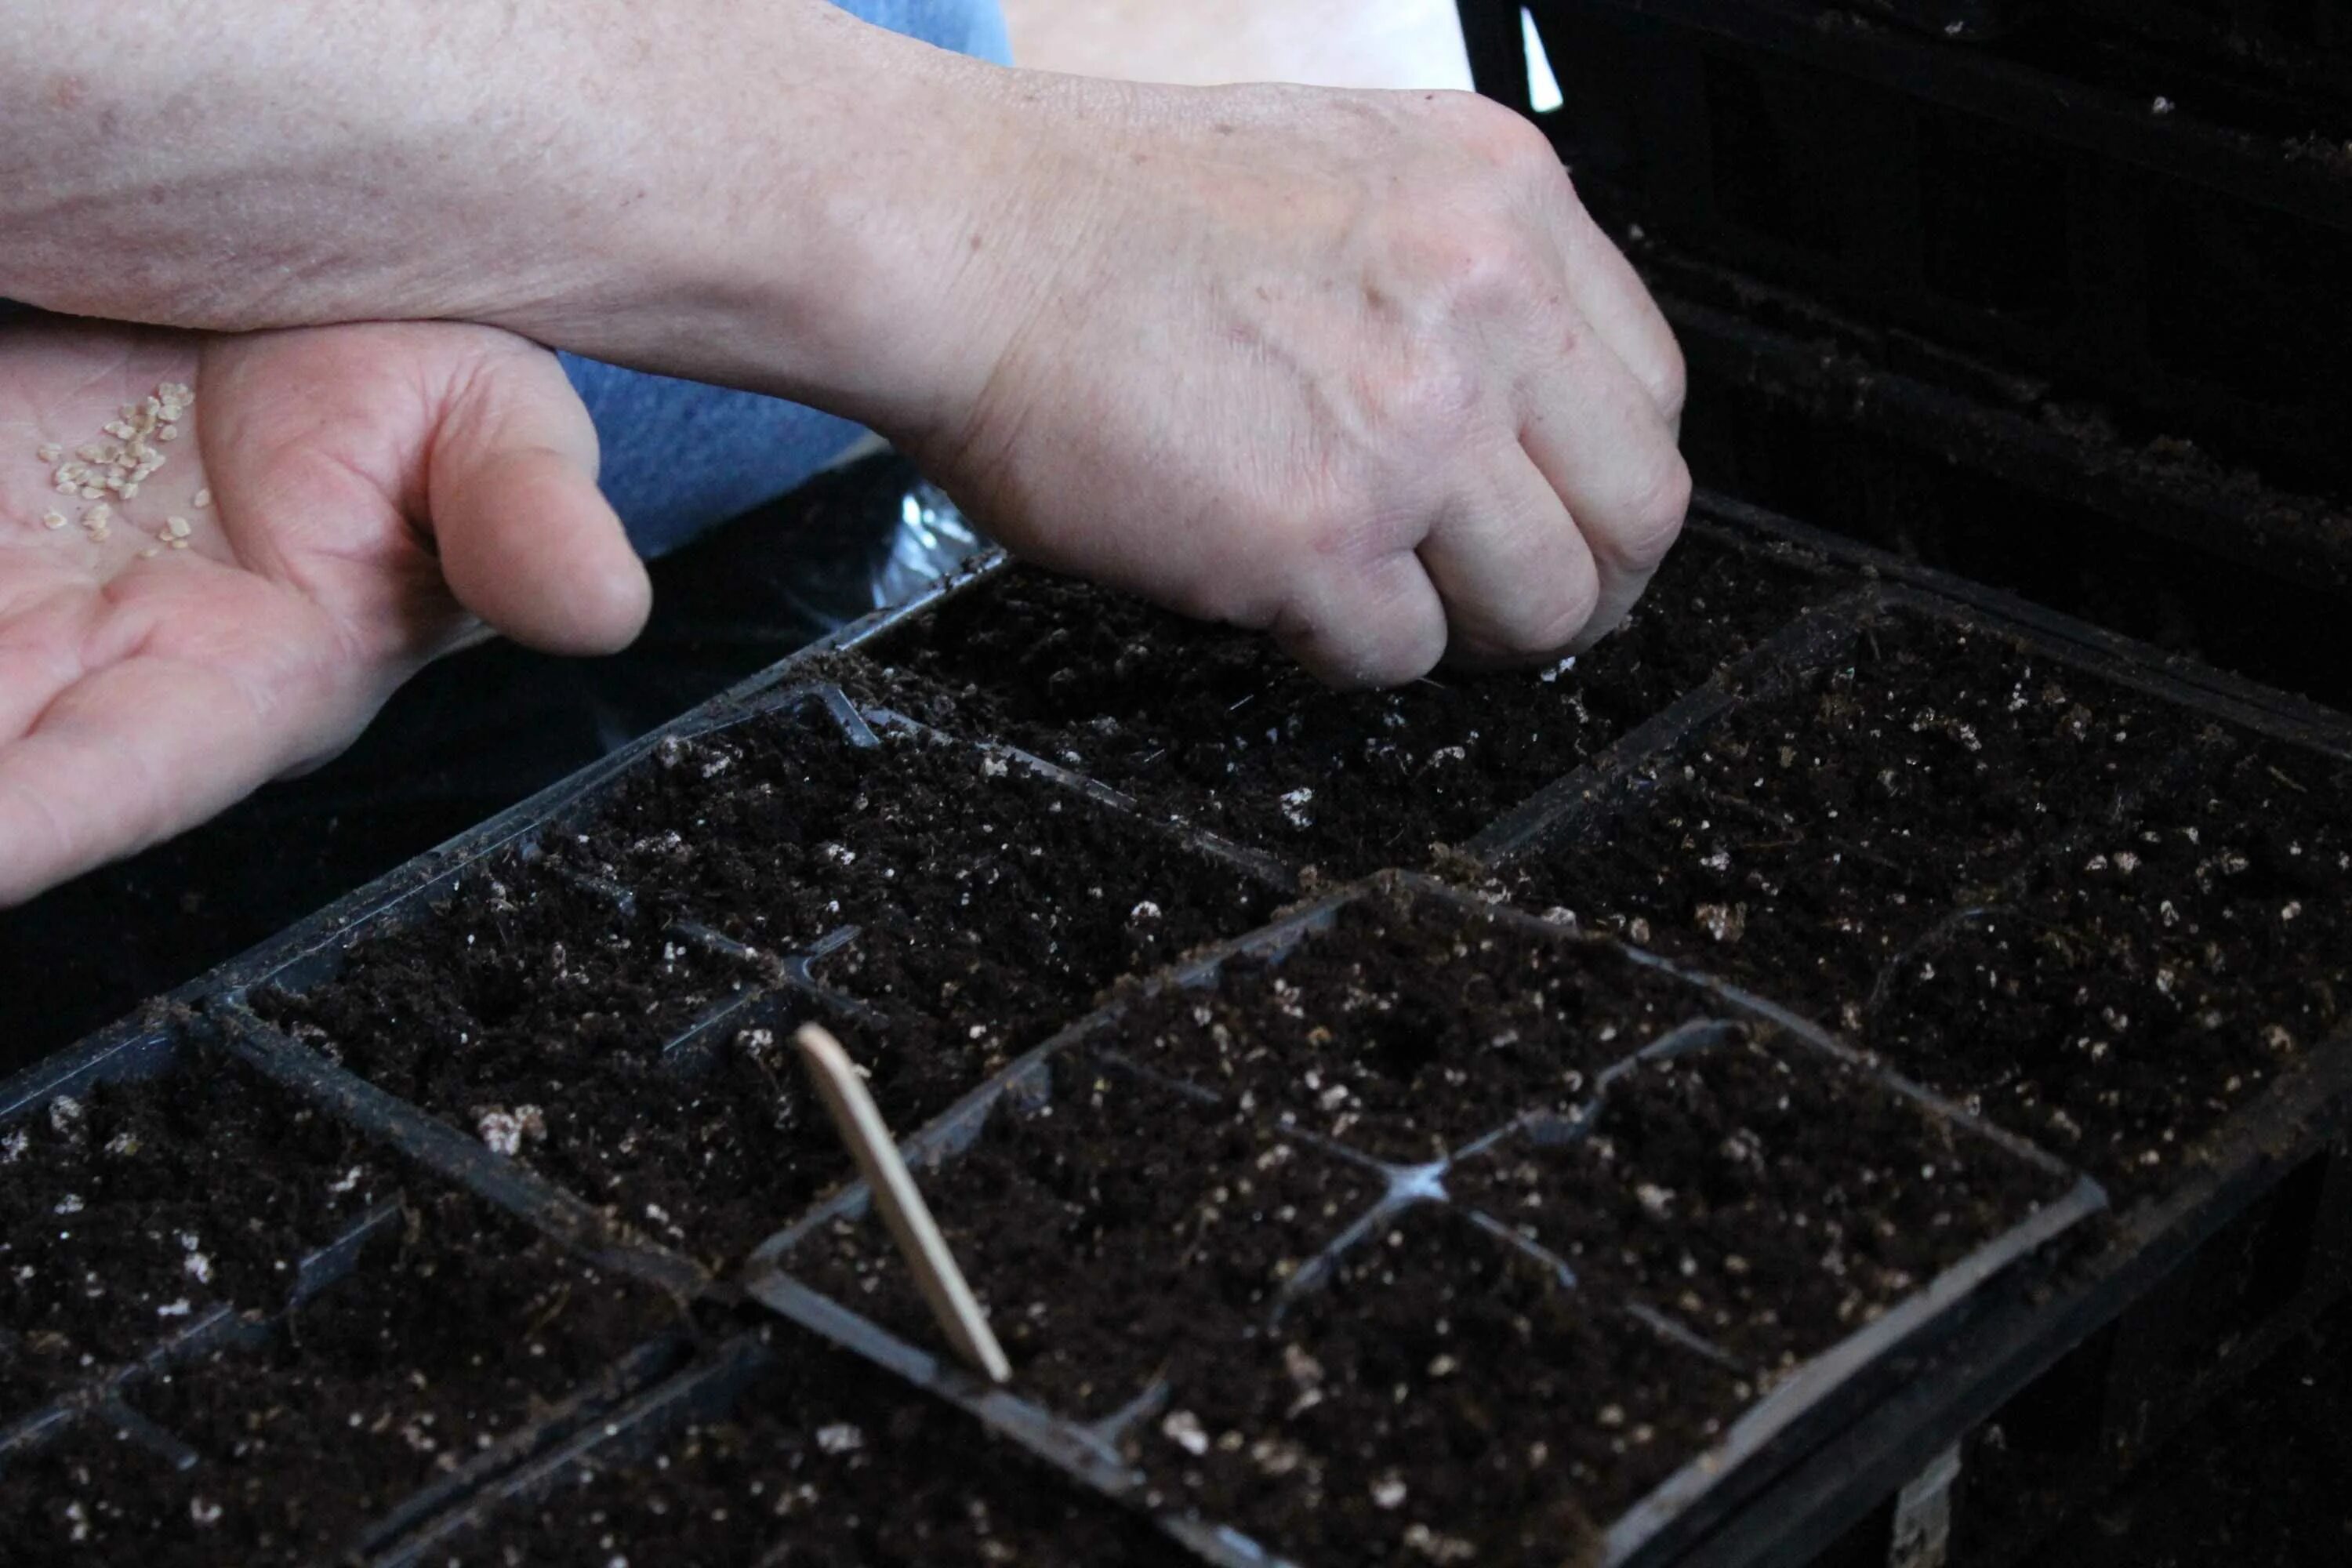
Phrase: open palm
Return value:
(374, 496)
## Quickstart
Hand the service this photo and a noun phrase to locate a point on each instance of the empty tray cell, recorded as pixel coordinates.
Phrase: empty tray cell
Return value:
(1444, 1399)
(443, 1343)
(538, 1017)
(1412, 1027)
(1105, 1230)
(1233, 738)
(1773, 1197)
(991, 903)
(820, 1463)
(131, 1211)
(2118, 1003)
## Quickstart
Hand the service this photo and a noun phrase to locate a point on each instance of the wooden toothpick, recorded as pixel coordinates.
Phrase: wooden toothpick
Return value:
(903, 1209)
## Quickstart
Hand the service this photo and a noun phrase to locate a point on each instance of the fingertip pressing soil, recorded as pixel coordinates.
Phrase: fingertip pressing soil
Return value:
(1214, 726)
(1772, 1198)
(826, 1464)
(533, 1013)
(442, 1341)
(1941, 846)
(1412, 1029)
(989, 900)
(1442, 1400)
(1101, 1229)
(128, 1211)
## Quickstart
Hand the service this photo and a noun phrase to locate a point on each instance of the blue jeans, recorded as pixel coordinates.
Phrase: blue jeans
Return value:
(679, 457)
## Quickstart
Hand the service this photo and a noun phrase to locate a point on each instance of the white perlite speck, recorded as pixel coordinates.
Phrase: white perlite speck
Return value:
(1294, 807)
(1182, 1428)
(504, 1131)
(841, 1438)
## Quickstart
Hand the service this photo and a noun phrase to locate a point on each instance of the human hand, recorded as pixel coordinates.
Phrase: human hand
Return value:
(1354, 367)
(374, 496)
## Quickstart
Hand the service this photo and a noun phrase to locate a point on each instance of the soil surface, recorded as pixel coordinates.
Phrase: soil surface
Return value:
(445, 1340)
(1216, 726)
(533, 1014)
(825, 1463)
(1772, 1198)
(1412, 1027)
(129, 1212)
(2123, 1000)
(1105, 1227)
(991, 904)
(1442, 1400)
(1966, 857)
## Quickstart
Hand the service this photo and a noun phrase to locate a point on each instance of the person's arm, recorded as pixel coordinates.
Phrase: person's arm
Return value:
(1355, 368)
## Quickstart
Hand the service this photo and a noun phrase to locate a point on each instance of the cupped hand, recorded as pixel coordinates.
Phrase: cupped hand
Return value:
(1357, 368)
(356, 502)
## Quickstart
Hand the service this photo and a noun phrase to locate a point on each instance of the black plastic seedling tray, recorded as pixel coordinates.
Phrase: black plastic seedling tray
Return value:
(1829, 1443)
(1651, 1530)
(2181, 268)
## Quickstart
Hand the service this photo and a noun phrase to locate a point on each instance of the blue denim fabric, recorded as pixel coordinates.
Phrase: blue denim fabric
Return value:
(681, 456)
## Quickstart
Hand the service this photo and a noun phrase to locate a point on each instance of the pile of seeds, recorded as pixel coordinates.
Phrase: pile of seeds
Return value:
(110, 470)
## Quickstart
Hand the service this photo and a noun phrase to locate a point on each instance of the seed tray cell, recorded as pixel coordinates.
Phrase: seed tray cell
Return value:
(1188, 1370)
(992, 896)
(1219, 729)
(2184, 269)
(1671, 1189)
(757, 1455)
(1084, 1264)
(642, 1068)
(1988, 859)
(436, 1351)
(151, 1189)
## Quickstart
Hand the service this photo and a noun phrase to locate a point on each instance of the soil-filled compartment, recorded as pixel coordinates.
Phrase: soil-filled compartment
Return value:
(455, 1330)
(2104, 920)
(1229, 1237)
(130, 1211)
(1214, 726)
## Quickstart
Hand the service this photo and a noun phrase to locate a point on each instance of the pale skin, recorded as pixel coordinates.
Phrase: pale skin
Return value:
(1352, 368)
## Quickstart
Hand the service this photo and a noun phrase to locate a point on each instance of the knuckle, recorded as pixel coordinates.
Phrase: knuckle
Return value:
(1485, 266)
(1670, 383)
(1502, 138)
(1562, 616)
(1655, 520)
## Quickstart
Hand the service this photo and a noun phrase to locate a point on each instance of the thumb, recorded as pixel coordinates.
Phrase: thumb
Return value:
(527, 541)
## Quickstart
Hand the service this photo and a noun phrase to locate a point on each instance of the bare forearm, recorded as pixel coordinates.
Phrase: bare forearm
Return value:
(757, 194)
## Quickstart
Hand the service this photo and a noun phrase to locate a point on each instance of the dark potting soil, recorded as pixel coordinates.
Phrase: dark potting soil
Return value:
(1442, 1399)
(532, 1013)
(1217, 727)
(1772, 1198)
(2118, 1003)
(1412, 1027)
(991, 904)
(445, 1338)
(824, 1464)
(130, 1211)
(1103, 1229)
(1841, 847)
